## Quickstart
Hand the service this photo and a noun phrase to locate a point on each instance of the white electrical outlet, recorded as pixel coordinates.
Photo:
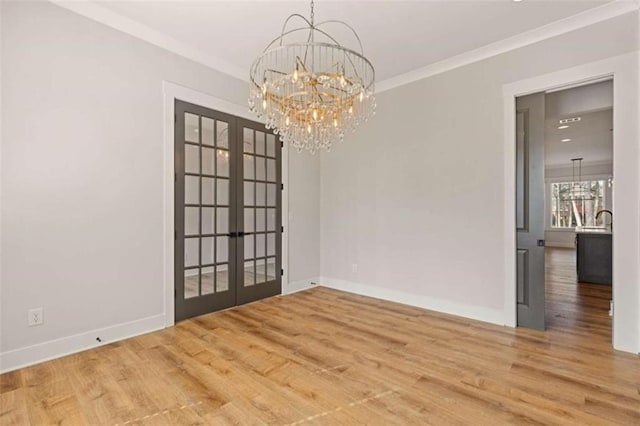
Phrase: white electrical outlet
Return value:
(35, 317)
(354, 268)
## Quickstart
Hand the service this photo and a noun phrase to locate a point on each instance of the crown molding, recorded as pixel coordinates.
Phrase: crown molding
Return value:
(129, 26)
(126, 25)
(553, 29)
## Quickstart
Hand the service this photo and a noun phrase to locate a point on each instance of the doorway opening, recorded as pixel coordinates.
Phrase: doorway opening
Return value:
(564, 214)
(579, 208)
(228, 205)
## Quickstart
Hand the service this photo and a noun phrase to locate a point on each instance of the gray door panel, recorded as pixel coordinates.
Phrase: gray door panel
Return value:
(530, 210)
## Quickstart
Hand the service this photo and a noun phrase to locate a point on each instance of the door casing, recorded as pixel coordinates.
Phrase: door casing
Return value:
(626, 198)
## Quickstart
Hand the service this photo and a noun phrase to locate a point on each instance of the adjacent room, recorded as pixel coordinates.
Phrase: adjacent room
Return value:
(579, 179)
(319, 212)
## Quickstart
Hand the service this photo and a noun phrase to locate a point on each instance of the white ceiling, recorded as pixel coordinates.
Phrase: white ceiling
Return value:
(591, 139)
(398, 36)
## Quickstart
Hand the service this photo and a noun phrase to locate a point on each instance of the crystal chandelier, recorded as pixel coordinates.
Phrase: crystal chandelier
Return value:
(312, 92)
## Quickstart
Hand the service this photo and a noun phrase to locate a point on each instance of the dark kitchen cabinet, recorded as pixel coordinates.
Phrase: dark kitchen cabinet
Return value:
(594, 258)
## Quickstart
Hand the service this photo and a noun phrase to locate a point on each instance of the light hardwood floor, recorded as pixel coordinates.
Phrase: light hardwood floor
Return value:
(327, 357)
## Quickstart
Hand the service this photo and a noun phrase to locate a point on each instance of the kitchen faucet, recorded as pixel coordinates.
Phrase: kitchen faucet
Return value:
(606, 211)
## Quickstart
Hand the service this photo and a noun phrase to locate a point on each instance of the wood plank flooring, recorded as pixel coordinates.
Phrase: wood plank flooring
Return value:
(327, 357)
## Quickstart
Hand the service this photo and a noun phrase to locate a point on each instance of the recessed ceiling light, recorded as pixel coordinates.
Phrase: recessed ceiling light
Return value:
(517, 1)
(563, 127)
(569, 120)
(565, 140)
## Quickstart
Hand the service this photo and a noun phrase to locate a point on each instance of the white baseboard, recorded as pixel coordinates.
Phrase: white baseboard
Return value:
(301, 285)
(35, 354)
(493, 316)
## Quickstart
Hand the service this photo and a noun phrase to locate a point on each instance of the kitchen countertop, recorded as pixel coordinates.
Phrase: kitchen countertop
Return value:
(588, 230)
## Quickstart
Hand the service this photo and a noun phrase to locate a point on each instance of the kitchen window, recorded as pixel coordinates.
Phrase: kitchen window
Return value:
(577, 204)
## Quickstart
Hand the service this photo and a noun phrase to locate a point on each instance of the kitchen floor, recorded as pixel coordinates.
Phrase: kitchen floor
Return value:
(580, 307)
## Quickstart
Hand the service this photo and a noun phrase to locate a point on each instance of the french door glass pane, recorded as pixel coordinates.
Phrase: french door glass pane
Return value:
(191, 190)
(260, 220)
(191, 282)
(223, 220)
(208, 155)
(271, 269)
(222, 195)
(271, 145)
(249, 224)
(271, 194)
(208, 214)
(260, 168)
(208, 280)
(191, 220)
(271, 219)
(191, 251)
(271, 170)
(249, 196)
(207, 190)
(249, 168)
(259, 147)
(207, 251)
(247, 141)
(261, 189)
(271, 244)
(207, 131)
(191, 158)
(222, 159)
(223, 134)
(222, 279)
(261, 271)
(249, 246)
(191, 128)
(249, 273)
(260, 245)
(222, 252)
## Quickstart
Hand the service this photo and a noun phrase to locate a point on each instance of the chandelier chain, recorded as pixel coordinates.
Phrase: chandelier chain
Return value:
(312, 13)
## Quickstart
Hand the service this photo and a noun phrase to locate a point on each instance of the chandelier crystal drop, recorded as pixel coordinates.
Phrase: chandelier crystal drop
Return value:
(312, 92)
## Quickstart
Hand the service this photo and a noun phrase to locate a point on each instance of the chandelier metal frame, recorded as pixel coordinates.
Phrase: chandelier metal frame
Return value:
(312, 92)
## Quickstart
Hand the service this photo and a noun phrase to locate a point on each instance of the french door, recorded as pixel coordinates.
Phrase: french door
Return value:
(227, 211)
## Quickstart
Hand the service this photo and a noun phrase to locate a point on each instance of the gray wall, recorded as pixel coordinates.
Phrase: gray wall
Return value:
(82, 174)
(416, 196)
